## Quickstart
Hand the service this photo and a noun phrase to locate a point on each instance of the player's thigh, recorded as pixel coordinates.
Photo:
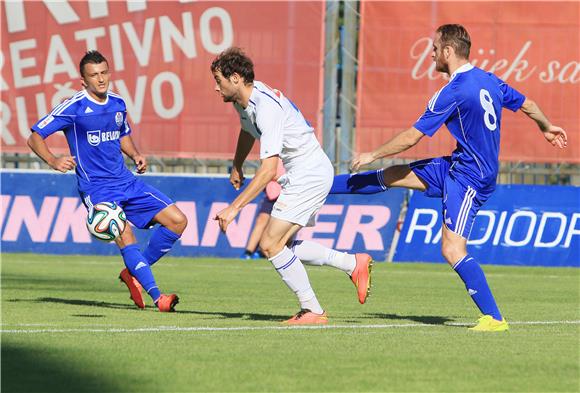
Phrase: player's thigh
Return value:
(460, 204)
(402, 176)
(432, 173)
(143, 203)
(172, 218)
(276, 234)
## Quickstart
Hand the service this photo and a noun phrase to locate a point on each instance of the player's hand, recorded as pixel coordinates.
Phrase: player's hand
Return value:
(140, 163)
(237, 178)
(226, 216)
(63, 164)
(361, 160)
(556, 136)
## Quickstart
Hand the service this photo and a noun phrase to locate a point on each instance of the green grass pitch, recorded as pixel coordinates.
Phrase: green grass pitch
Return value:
(68, 326)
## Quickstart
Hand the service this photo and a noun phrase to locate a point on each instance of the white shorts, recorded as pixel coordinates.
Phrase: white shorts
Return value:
(304, 191)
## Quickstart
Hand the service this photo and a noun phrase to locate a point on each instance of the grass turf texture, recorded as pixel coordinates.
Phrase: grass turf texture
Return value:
(79, 302)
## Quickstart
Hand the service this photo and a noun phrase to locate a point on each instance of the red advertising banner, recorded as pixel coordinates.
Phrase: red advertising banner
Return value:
(159, 55)
(533, 46)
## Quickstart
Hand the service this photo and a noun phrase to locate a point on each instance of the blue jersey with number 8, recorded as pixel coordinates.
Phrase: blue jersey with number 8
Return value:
(470, 106)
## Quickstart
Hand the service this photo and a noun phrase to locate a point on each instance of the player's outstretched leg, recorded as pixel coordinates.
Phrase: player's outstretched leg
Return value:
(133, 286)
(357, 266)
(476, 284)
(370, 182)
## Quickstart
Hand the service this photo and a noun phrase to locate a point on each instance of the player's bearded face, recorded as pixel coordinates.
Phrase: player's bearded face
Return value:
(224, 87)
(96, 79)
(438, 55)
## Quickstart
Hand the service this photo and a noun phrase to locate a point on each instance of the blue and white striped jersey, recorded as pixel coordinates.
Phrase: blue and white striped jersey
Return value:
(93, 131)
(470, 106)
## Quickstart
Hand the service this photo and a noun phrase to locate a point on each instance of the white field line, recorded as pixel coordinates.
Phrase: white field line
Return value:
(253, 328)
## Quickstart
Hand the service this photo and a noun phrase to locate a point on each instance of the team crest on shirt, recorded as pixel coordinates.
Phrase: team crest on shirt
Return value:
(119, 119)
(94, 137)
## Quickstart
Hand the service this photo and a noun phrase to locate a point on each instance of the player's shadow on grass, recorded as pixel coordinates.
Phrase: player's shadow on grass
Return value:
(213, 314)
(426, 319)
(78, 302)
(236, 315)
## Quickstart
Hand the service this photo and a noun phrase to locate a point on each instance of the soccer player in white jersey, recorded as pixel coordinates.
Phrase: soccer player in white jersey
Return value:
(266, 114)
(470, 105)
(94, 122)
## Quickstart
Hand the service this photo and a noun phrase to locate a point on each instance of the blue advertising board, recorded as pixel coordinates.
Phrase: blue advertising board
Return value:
(41, 212)
(518, 225)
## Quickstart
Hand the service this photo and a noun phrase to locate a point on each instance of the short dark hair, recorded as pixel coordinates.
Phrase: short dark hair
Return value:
(457, 37)
(234, 60)
(93, 57)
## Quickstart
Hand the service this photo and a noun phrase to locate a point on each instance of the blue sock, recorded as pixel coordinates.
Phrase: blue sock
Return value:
(370, 182)
(476, 285)
(160, 243)
(135, 262)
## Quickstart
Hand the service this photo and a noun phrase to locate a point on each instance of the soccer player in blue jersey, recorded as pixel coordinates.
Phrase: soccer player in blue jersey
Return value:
(94, 122)
(470, 105)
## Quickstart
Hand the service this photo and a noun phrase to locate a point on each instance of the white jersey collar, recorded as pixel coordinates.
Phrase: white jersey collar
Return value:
(464, 68)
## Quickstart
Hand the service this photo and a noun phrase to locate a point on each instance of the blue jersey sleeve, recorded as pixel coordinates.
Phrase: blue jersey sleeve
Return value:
(50, 124)
(511, 99)
(440, 108)
(126, 128)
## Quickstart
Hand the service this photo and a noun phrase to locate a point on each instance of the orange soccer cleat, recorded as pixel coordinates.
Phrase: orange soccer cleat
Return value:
(361, 276)
(167, 303)
(134, 287)
(307, 317)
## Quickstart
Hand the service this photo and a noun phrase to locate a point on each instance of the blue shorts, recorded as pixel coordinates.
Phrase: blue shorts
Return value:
(461, 200)
(140, 201)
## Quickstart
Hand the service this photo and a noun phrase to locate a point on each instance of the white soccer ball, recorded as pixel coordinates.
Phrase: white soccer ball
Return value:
(107, 221)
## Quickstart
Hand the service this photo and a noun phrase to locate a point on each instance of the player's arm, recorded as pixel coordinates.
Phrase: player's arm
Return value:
(398, 144)
(129, 148)
(243, 148)
(266, 172)
(40, 148)
(553, 134)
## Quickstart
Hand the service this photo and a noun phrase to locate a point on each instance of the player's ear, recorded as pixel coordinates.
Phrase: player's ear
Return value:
(448, 51)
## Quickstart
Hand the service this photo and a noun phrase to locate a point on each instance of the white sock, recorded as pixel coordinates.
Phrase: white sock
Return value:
(313, 253)
(294, 275)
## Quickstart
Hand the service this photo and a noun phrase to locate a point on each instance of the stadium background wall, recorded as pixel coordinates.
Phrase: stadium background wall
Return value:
(42, 213)
(359, 71)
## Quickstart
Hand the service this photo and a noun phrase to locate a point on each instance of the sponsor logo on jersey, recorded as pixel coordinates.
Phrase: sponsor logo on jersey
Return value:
(94, 137)
(88, 110)
(98, 136)
(119, 119)
(45, 122)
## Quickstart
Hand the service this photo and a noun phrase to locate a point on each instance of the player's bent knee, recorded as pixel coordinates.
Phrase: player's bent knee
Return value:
(179, 222)
(452, 252)
(270, 247)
